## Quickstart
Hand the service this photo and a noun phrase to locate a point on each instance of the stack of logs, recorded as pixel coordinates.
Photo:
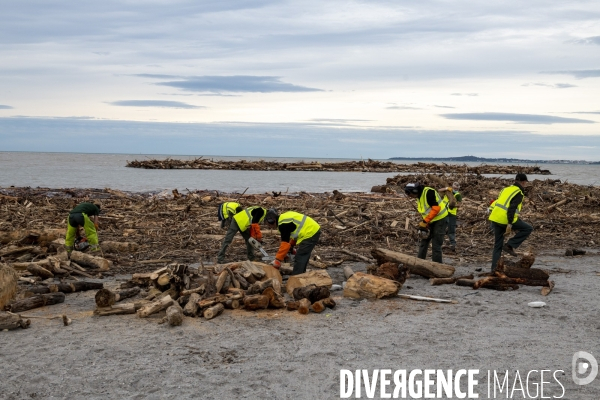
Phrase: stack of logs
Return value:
(185, 291)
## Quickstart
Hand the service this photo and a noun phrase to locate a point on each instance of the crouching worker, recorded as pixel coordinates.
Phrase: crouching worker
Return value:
(295, 229)
(227, 211)
(246, 223)
(80, 217)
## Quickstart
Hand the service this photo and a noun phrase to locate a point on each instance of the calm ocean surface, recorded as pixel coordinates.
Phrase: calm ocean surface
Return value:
(68, 170)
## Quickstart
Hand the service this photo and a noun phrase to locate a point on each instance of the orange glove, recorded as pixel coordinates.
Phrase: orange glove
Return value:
(276, 264)
(434, 211)
(255, 232)
(284, 248)
(292, 242)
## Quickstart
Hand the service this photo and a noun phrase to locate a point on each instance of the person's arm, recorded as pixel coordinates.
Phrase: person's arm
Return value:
(255, 232)
(512, 207)
(286, 232)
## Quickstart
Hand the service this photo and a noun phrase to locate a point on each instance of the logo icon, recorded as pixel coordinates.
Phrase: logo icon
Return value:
(583, 363)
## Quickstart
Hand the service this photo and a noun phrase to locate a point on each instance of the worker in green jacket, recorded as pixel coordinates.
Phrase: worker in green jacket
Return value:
(83, 215)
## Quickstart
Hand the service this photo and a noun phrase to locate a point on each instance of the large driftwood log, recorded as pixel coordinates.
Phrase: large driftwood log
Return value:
(318, 277)
(174, 315)
(256, 302)
(525, 273)
(42, 238)
(311, 292)
(36, 301)
(155, 307)
(40, 271)
(191, 308)
(119, 247)
(8, 284)
(417, 266)
(106, 298)
(214, 311)
(12, 321)
(364, 286)
(496, 281)
(86, 260)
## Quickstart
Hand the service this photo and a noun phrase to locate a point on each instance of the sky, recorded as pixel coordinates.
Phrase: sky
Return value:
(346, 79)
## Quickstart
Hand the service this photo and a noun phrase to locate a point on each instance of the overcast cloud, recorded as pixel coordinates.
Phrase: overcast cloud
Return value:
(358, 70)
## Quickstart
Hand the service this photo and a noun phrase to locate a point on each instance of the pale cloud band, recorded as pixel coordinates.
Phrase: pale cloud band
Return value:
(517, 118)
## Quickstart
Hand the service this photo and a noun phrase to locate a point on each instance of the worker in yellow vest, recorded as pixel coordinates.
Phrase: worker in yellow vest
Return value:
(505, 218)
(247, 223)
(295, 229)
(434, 214)
(227, 211)
(452, 212)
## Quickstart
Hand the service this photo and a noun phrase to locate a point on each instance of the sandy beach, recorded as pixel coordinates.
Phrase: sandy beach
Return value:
(284, 355)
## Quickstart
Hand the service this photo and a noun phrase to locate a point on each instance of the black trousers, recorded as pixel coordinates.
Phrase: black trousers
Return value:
(303, 253)
(437, 231)
(523, 231)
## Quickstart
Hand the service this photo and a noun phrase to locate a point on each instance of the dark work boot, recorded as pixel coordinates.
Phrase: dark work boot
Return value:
(506, 248)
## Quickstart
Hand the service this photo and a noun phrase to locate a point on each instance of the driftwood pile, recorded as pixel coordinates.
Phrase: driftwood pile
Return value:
(362, 166)
(181, 290)
(140, 232)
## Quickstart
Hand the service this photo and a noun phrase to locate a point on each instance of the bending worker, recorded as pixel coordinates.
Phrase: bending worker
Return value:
(434, 212)
(452, 211)
(247, 223)
(295, 229)
(227, 211)
(80, 217)
(505, 217)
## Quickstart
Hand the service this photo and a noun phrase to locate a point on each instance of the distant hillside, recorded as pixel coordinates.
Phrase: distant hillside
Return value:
(493, 160)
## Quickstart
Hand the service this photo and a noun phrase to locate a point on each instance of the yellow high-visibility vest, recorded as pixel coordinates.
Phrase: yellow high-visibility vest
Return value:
(244, 218)
(424, 207)
(500, 212)
(229, 209)
(306, 227)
